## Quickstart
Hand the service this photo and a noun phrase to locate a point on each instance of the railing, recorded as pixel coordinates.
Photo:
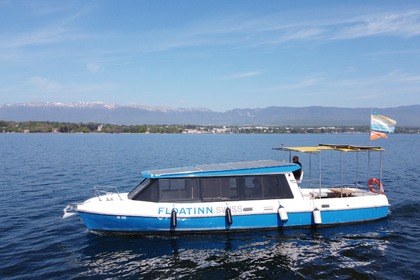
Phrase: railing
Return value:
(308, 183)
(105, 191)
(340, 190)
(315, 184)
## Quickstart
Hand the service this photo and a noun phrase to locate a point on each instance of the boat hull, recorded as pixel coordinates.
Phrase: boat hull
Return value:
(141, 224)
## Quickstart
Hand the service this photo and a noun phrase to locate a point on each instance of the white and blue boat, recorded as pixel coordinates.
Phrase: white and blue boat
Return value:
(234, 196)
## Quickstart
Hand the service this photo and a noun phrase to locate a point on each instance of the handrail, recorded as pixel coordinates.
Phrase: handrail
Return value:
(306, 183)
(326, 186)
(101, 190)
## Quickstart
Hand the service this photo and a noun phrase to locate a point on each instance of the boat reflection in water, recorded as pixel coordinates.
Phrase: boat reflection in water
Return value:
(291, 253)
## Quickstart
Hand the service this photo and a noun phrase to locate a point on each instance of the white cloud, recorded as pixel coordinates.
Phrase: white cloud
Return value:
(391, 24)
(309, 82)
(58, 28)
(93, 67)
(39, 36)
(250, 31)
(386, 89)
(243, 75)
(43, 84)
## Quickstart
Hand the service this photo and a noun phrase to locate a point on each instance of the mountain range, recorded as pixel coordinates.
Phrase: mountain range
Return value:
(100, 112)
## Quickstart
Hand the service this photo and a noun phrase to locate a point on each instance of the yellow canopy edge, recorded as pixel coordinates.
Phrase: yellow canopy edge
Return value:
(335, 147)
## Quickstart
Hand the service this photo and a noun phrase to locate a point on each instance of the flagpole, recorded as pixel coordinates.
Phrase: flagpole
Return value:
(370, 127)
(370, 141)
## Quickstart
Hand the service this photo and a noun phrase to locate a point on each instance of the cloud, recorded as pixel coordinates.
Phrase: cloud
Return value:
(392, 24)
(309, 82)
(243, 75)
(34, 37)
(248, 30)
(59, 27)
(299, 34)
(323, 87)
(43, 84)
(394, 78)
(93, 67)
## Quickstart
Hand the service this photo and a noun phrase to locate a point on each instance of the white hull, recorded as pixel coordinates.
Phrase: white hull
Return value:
(117, 213)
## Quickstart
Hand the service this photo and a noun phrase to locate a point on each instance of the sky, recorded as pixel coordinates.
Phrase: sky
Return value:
(219, 55)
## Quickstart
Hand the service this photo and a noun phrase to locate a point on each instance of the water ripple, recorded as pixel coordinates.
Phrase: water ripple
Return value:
(41, 174)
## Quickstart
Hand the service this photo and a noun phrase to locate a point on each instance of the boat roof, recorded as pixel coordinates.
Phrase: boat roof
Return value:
(258, 167)
(333, 147)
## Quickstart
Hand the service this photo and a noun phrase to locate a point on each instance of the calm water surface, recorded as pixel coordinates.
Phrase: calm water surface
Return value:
(42, 173)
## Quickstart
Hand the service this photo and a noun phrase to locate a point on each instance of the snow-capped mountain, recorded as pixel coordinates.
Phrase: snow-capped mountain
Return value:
(112, 113)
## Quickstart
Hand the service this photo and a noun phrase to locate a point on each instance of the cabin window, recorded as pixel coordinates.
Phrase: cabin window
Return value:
(213, 189)
(284, 188)
(253, 187)
(178, 189)
(150, 193)
(219, 188)
(144, 191)
(267, 187)
(270, 188)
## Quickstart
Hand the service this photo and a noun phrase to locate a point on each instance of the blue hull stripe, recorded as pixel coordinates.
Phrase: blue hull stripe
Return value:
(100, 222)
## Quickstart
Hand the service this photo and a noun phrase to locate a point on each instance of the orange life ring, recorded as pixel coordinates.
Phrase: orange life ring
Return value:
(378, 183)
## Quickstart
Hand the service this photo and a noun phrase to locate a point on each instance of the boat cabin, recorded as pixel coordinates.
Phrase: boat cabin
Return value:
(219, 182)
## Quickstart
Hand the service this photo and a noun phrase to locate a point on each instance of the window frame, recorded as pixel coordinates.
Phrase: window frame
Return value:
(237, 188)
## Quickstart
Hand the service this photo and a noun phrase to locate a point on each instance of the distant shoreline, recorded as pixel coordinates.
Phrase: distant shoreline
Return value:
(65, 127)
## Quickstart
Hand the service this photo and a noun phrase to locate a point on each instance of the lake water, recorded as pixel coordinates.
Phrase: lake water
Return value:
(42, 173)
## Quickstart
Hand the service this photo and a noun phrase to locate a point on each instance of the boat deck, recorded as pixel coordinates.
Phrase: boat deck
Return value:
(334, 192)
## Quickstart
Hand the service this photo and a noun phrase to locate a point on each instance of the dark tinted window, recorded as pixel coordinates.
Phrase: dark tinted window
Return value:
(136, 192)
(284, 188)
(178, 189)
(219, 188)
(150, 193)
(213, 189)
(267, 186)
(270, 188)
(253, 187)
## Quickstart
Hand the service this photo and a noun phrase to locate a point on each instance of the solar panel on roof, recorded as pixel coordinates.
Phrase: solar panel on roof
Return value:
(232, 166)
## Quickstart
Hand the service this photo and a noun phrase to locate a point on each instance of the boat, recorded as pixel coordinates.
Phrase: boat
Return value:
(236, 196)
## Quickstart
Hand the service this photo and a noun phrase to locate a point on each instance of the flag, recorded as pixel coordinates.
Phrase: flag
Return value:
(381, 123)
(375, 135)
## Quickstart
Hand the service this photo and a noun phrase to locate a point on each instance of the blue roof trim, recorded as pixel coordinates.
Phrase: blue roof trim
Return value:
(225, 169)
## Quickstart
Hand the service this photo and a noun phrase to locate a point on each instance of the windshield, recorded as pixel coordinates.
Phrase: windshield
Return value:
(140, 187)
